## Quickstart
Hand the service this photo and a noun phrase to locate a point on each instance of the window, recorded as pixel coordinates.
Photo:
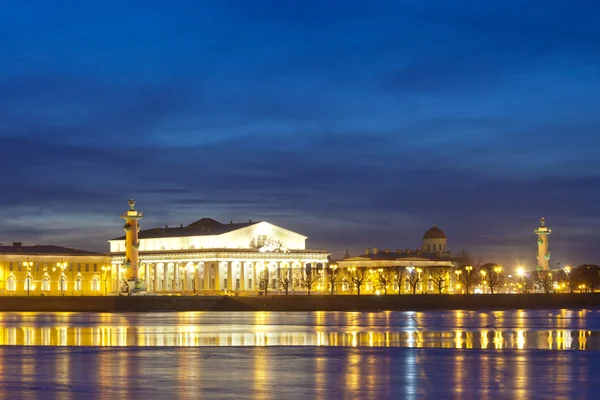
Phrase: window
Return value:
(11, 283)
(62, 284)
(430, 285)
(45, 284)
(78, 267)
(95, 267)
(369, 286)
(406, 286)
(11, 266)
(249, 284)
(28, 283)
(434, 247)
(78, 283)
(259, 241)
(95, 284)
(70, 267)
(20, 266)
(87, 267)
(37, 267)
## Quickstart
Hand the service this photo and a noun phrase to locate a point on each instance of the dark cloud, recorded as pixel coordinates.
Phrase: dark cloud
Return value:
(357, 124)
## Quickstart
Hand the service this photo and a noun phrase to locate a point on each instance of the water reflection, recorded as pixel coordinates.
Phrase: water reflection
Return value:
(293, 373)
(543, 329)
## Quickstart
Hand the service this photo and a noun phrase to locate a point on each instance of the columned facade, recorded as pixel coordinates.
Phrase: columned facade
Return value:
(231, 271)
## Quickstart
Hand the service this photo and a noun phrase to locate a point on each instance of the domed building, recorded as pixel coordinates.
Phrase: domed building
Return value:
(434, 240)
(421, 264)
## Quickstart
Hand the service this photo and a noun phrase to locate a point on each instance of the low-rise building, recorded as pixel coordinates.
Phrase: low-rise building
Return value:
(423, 270)
(51, 270)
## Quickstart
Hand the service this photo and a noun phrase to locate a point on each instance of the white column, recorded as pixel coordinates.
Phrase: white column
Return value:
(147, 276)
(206, 277)
(242, 277)
(176, 276)
(254, 275)
(229, 276)
(166, 277)
(217, 275)
(156, 278)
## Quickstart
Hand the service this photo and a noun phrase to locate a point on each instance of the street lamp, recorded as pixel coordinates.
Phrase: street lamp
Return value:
(105, 270)
(28, 264)
(62, 266)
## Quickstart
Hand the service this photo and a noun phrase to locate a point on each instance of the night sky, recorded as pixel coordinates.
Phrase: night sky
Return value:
(358, 124)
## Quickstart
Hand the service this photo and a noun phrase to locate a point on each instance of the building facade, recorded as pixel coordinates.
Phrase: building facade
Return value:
(424, 270)
(52, 271)
(209, 257)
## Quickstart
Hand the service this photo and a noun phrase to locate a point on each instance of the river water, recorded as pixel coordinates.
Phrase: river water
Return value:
(319, 355)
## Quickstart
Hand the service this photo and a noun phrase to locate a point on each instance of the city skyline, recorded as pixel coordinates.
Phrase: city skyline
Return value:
(362, 130)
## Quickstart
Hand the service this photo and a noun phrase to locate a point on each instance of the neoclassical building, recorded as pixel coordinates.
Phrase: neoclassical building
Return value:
(432, 253)
(208, 257)
(52, 270)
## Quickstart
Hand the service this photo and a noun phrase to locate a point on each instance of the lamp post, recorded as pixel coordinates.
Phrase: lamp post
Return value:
(28, 264)
(62, 266)
(458, 272)
(333, 280)
(105, 269)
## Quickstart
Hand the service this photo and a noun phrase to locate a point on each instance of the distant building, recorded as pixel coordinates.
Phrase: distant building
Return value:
(207, 256)
(51, 270)
(433, 253)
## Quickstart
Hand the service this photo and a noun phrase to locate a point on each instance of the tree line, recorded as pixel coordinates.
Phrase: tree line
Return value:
(490, 277)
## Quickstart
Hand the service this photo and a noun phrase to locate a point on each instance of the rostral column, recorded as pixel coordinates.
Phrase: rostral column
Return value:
(543, 252)
(132, 245)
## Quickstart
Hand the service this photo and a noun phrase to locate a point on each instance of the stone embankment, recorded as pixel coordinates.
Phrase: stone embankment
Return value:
(300, 303)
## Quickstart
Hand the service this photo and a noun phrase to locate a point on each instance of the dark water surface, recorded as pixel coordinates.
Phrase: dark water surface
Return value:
(446, 354)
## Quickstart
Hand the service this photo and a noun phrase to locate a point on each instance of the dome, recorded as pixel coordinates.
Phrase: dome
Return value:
(434, 233)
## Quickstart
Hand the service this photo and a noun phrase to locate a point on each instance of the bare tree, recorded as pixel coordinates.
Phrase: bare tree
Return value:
(308, 277)
(414, 277)
(332, 278)
(263, 281)
(357, 277)
(439, 276)
(400, 275)
(384, 277)
(286, 279)
(544, 280)
(468, 276)
(492, 276)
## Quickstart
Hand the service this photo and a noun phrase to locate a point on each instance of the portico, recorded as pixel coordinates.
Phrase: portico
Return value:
(248, 252)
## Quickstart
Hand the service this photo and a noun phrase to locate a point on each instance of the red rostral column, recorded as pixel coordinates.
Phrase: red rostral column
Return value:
(132, 244)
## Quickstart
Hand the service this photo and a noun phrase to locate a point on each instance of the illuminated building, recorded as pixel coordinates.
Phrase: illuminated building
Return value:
(207, 257)
(433, 253)
(51, 270)
(543, 251)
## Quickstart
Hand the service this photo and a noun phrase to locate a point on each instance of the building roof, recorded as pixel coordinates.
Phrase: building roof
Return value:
(434, 233)
(394, 255)
(202, 227)
(45, 249)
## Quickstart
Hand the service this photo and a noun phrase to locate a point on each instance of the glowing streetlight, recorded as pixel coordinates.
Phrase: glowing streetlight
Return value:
(105, 270)
(28, 264)
(62, 266)
(520, 271)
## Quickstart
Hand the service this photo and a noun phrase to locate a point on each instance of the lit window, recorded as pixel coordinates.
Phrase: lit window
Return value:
(95, 284)
(45, 284)
(259, 241)
(78, 283)
(11, 283)
(62, 284)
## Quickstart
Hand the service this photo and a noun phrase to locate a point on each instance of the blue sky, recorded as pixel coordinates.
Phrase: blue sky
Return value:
(359, 124)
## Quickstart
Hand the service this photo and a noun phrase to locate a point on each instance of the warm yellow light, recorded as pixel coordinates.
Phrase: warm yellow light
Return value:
(520, 271)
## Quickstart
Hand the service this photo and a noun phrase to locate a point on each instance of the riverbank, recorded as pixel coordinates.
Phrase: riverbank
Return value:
(299, 303)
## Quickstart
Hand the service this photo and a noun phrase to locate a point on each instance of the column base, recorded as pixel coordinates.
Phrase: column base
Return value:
(133, 287)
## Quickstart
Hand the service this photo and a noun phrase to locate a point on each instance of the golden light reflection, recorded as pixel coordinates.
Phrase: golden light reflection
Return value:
(415, 330)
